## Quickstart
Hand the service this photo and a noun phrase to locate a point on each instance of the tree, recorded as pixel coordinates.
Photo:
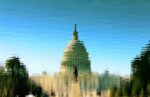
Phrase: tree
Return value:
(14, 80)
(126, 89)
(148, 89)
(35, 89)
(113, 91)
(140, 68)
(18, 77)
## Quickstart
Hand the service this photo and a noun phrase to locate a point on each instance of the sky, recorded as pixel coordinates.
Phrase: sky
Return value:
(37, 31)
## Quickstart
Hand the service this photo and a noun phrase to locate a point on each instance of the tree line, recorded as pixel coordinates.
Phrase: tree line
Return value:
(139, 83)
(15, 81)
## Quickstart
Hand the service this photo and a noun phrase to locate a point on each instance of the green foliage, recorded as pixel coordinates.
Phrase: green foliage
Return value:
(140, 69)
(136, 87)
(148, 89)
(35, 89)
(126, 89)
(14, 80)
(45, 95)
(113, 91)
(139, 86)
(118, 93)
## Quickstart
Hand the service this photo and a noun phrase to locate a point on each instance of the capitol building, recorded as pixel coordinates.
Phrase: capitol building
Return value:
(75, 54)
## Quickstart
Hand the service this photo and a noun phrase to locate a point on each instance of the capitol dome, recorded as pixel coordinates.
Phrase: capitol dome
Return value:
(75, 54)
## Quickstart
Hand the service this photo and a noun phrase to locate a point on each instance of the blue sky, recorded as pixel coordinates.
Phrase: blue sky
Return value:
(114, 31)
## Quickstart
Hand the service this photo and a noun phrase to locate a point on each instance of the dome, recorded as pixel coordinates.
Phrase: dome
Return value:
(75, 54)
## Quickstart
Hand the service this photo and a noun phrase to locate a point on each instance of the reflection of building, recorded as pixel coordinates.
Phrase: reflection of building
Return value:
(46, 81)
(88, 83)
(75, 54)
(60, 83)
(108, 81)
(91, 83)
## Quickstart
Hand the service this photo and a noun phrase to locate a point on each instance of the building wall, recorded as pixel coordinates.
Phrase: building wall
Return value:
(108, 81)
(61, 83)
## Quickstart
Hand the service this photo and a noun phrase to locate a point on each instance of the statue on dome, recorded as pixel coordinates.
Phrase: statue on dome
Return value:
(75, 33)
(75, 73)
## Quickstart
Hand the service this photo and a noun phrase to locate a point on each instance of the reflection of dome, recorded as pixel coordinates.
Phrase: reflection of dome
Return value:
(75, 54)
